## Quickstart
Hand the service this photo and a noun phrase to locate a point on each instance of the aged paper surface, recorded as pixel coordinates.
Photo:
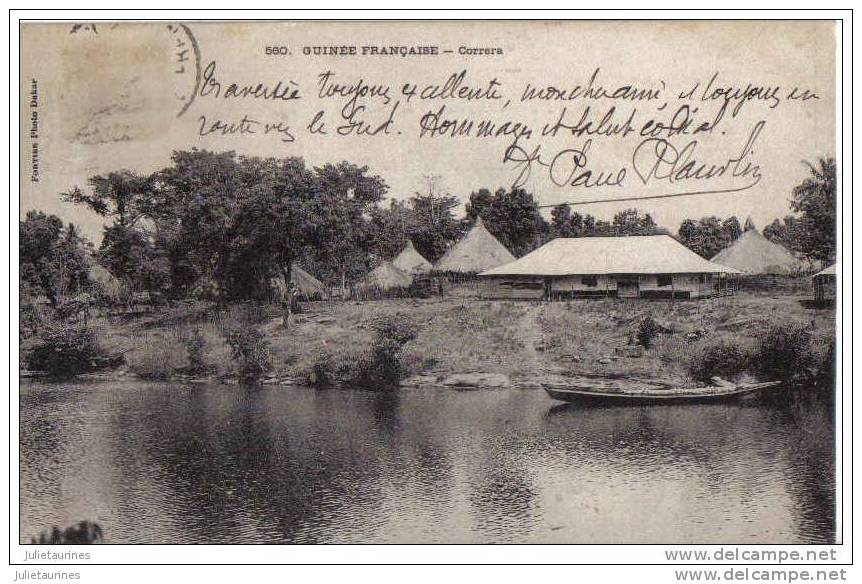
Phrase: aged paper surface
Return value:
(125, 95)
(219, 219)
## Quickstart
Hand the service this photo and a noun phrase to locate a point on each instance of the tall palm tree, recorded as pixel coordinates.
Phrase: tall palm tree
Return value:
(815, 200)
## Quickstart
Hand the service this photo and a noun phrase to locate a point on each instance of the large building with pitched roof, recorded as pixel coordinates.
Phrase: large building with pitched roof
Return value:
(653, 266)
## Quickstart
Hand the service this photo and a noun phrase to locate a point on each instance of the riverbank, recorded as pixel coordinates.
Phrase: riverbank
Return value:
(461, 341)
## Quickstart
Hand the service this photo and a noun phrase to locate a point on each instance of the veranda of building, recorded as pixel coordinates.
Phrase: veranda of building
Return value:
(825, 285)
(655, 266)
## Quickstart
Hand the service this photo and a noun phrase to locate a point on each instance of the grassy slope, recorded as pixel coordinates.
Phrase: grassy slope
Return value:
(592, 329)
(460, 335)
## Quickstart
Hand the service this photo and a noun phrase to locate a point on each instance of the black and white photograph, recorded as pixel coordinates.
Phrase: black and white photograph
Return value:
(428, 282)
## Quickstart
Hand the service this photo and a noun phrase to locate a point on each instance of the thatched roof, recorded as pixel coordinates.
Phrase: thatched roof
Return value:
(830, 271)
(410, 260)
(476, 252)
(386, 276)
(305, 282)
(753, 254)
(651, 254)
(104, 280)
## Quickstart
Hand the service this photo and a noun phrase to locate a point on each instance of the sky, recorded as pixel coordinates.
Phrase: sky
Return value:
(124, 96)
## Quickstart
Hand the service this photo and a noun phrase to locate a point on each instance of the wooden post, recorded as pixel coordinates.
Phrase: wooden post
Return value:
(672, 291)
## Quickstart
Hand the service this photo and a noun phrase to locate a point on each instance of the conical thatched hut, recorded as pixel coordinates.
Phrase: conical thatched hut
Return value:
(411, 261)
(387, 277)
(105, 284)
(753, 254)
(477, 251)
(307, 285)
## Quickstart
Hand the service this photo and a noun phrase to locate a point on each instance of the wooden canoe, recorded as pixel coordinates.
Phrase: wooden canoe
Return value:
(650, 395)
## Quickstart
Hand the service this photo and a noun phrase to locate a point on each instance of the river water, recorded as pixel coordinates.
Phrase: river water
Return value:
(167, 463)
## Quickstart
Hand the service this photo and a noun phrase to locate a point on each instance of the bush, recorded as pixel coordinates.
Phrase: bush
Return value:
(393, 331)
(33, 315)
(724, 360)
(195, 349)
(647, 331)
(825, 371)
(826, 367)
(783, 351)
(84, 533)
(250, 351)
(385, 369)
(64, 350)
(156, 359)
(321, 373)
(328, 369)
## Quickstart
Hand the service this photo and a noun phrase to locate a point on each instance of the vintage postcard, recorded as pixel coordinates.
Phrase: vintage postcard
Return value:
(450, 282)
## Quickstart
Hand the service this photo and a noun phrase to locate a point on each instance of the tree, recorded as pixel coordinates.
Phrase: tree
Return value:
(341, 235)
(52, 258)
(775, 231)
(124, 195)
(195, 204)
(732, 228)
(631, 222)
(788, 232)
(812, 230)
(511, 216)
(706, 237)
(127, 250)
(425, 219)
(270, 226)
(564, 223)
(390, 228)
(433, 227)
(561, 221)
(815, 201)
(130, 255)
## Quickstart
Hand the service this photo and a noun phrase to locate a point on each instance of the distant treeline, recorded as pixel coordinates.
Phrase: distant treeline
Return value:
(223, 224)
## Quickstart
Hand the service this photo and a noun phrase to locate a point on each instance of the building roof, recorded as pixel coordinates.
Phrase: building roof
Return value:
(830, 271)
(752, 253)
(103, 278)
(386, 276)
(411, 260)
(650, 254)
(305, 282)
(476, 252)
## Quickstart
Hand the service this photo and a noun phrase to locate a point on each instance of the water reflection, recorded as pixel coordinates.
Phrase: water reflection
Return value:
(165, 464)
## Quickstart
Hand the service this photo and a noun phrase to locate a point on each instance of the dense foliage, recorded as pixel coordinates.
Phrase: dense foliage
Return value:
(709, 235)
(723, 359)
(783, 351)
(511, 216)
(219, 225)
(53, 258)
(250, 351)
(812, 231)
(384, 368)
(646, 332)
(64, 350)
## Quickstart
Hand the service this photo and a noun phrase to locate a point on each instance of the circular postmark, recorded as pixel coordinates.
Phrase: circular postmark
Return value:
(124, 82)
